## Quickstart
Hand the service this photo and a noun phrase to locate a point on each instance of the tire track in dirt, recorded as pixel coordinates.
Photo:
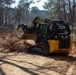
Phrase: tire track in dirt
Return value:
(70, 70)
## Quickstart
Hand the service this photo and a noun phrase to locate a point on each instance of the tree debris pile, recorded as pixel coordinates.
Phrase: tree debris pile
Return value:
(14, 44)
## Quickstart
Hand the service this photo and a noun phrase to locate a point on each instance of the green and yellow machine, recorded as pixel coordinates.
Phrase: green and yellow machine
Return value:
(52, 37)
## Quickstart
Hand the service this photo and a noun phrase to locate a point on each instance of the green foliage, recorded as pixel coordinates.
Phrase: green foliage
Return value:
(60, 8)
(9, 2)
(5, 7)
(50, 7)
(6, 3)
(25, 2)
(38, 0)
(34, 9)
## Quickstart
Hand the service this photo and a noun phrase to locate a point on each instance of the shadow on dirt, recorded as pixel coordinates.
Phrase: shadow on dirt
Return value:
(2, 72)
(57, 57)
(62, 57)
(21, 67)
(30, 70)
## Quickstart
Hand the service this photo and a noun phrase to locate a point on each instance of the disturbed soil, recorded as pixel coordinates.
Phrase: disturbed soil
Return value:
(15, 61)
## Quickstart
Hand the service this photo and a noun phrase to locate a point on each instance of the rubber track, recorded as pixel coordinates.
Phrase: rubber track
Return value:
(36, 49)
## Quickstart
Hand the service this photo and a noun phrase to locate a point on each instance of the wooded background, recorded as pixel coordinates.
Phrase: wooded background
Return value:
(54, 9)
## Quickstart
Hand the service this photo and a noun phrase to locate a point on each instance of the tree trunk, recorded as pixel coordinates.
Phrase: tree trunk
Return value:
(6, 17)
(64, 9)
(2, 14)
(73, 9)
(71, 19)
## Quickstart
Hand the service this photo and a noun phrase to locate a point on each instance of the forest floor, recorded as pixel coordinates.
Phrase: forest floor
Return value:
(22, 63)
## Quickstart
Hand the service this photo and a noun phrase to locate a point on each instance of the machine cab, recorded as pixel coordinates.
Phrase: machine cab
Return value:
(57, 30)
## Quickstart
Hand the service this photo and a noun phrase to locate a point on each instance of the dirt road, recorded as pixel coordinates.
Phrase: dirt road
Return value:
(28, 64)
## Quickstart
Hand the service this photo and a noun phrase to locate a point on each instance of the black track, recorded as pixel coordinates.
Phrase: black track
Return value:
(40, 49)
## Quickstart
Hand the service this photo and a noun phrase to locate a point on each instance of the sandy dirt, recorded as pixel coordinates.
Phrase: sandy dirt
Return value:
(27, 64)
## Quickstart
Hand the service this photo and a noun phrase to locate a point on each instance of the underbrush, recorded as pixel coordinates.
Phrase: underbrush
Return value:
(12, 43)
